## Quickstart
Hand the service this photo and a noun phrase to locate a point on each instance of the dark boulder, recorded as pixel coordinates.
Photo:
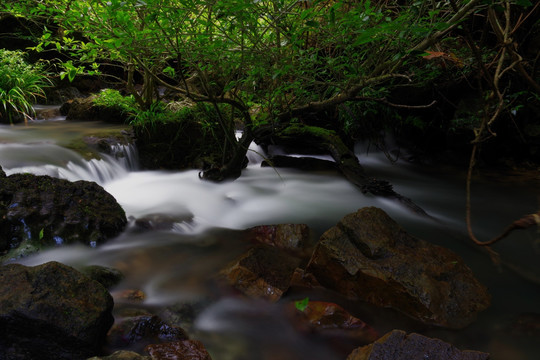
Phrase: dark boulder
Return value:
(38, 211)
(368, 256)
(51, 311)
(397, 345)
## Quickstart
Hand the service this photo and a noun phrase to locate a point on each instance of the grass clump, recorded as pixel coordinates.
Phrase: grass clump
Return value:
(21, 84)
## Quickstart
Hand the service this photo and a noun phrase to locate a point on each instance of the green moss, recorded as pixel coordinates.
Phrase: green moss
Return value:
(308, 130)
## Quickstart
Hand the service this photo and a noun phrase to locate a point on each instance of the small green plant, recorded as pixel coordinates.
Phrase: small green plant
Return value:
(155, 114)
(20, 85)
(301, 305)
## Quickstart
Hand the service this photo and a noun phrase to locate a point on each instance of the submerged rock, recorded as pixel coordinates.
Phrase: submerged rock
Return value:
(108, 277)
(38, 211)
(331, 321)
(262, 272)
(51, 311)
(368, 256)
(294, 237)
(143, 330)
(122, 355)
(397, 345)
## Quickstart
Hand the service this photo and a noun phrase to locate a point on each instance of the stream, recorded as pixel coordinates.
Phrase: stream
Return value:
(174, 266)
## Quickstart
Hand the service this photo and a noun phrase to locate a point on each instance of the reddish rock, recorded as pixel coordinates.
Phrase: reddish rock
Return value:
(331, 320)
(261, 272)
(301, 279)
(368, 256)
(397, 345)
(179, 350)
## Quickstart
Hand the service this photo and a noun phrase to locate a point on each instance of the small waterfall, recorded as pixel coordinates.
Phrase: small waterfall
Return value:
(56, 161)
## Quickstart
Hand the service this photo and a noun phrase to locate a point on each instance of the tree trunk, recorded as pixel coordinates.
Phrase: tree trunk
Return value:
(232, 169)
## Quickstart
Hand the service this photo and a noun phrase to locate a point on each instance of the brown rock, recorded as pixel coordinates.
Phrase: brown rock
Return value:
(179, 350)
(263, 272)
(397, 345)
(368, 256)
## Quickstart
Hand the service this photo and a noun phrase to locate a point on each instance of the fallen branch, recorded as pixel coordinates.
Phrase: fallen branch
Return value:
(523, 223)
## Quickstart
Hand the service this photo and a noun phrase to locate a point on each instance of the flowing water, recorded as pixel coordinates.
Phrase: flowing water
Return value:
(175, 265)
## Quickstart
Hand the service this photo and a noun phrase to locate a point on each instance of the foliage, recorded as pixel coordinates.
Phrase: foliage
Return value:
(20, 85)
(286, 58)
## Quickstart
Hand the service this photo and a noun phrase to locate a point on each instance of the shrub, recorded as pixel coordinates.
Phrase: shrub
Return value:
(112, 98)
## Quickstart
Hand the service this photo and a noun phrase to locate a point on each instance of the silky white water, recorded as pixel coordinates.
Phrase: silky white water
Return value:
(176, 265)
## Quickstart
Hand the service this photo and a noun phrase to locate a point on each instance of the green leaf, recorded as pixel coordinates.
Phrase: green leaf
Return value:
(301, 305)
(41, 234)
(71, 74)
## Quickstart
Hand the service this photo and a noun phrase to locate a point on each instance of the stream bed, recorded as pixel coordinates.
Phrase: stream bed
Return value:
(174, 266)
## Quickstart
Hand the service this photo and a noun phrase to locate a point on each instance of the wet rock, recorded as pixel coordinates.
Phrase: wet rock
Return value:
(38, 211)
(283, 236)
(61, 94)
(262, 272)
(143, 330)
(302, 279)
(398, 345)
(108, 277)
(184, 314)
(129, 295)
(51, 311)
(331, 321)
(163, 222)
(47, 113)
(368, 256)
(122, 355)
(179, 350)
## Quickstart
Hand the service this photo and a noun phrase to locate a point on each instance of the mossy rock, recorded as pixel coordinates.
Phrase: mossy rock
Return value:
(42, 211)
